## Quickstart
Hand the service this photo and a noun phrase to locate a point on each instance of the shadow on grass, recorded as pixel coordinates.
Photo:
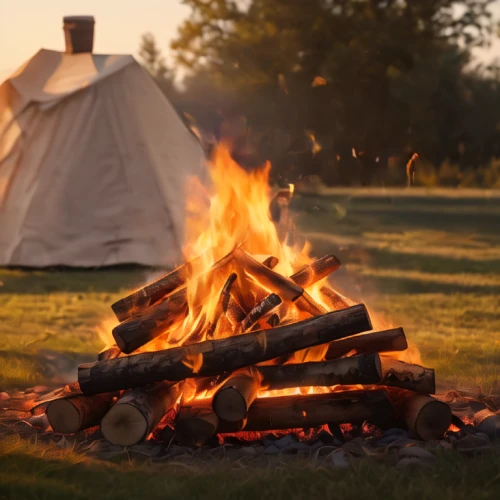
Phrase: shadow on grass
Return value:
(72, 280)
(26, 475)
(396, 285)
(354, 216)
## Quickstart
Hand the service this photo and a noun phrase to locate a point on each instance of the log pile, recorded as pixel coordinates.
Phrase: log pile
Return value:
(274, 352)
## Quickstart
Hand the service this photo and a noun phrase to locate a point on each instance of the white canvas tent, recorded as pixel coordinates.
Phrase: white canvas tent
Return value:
(93, 163)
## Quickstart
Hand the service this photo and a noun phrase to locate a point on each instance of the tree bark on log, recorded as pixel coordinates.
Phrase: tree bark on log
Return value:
(308, 304)
(235, 313)
(259, 311)
(222, 304)
(312, 410)
(383, 341)
(275, 282)
(364, 370)
(408, 376)
(137, 413)
(316, 271)
(196, 425)
(216, 356)
(148, 295)
(232, 401)
(74, 414)
(336, 300)
(135, 332)
(110, 353)
(267, 260)
(425, 416)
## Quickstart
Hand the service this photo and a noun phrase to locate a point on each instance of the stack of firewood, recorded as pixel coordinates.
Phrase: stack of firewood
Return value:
(220, 378)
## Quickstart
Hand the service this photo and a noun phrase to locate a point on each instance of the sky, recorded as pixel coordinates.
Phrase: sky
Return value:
(28, 25)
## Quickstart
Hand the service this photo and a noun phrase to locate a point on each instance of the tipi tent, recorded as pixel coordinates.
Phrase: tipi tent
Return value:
(93, 163)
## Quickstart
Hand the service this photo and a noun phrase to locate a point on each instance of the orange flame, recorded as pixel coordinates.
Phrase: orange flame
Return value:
(234, 214)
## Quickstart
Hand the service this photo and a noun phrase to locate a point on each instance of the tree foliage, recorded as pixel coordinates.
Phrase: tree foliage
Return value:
(154, 62)
(366, 80)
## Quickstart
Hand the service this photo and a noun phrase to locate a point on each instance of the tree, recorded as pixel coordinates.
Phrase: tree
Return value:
(154, 62)
(393, 71)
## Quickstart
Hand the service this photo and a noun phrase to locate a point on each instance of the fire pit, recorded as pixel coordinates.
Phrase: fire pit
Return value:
(245, 338)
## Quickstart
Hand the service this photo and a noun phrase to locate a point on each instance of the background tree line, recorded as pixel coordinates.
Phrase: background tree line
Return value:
(345, 90)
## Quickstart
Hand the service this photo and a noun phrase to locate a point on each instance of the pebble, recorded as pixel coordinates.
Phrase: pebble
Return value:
(389, 439)
(490, 426)
(339, 459)
(285, 441)
(269, 439)
(416, 452)
(395, 431)
(472, 443)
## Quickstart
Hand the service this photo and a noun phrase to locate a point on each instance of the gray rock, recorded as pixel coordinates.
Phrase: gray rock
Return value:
(285, 441)
(472, 443)
(490, 426)
(386, 440)
(416, 452)
(339, 459)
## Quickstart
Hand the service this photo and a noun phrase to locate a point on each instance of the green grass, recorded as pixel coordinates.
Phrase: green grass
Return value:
(34, 472)
(430, 263)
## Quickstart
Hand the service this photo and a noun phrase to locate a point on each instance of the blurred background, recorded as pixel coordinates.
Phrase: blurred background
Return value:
(333, 92)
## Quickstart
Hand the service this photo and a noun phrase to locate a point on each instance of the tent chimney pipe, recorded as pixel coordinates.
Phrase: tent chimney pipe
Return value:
(78, 34)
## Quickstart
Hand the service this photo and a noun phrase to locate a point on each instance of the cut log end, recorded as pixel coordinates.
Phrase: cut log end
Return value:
(230, 405)
(63, 417)
(427, 418)
(124, 425)
(196, 430)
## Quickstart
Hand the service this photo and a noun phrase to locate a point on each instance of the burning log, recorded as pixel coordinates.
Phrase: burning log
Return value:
(425, 416)
(110, 353)
(222, 304)
(292, 412)
(258, 312)
(134, 333)
(137, 413)
(364, 370)
(196, 425)
(298, 411)
(231, 402)
(216, 356)
(336, 300)
(235, 313)
(383, 341)
(316, 271)
(74, 414)
(269, 261)
(146, 296)
(308, 304)
(407, 376)
(281, 285)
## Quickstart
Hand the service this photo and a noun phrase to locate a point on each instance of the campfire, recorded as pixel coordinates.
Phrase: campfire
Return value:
(247, 336)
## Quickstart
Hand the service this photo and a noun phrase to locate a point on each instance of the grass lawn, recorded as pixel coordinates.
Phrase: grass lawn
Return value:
(429, 262)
